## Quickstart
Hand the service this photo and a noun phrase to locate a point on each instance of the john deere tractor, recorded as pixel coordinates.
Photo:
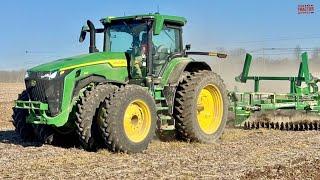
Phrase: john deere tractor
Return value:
(140, 81)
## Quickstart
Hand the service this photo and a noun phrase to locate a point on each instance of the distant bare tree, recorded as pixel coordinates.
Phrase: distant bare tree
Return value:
(297, 52)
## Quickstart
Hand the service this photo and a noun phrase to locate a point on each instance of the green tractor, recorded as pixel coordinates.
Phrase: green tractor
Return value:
(139, 83)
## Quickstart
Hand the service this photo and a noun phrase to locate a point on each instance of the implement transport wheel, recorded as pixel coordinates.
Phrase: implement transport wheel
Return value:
(25, 130)
(201, 107)
(87, 112)
(129, 120)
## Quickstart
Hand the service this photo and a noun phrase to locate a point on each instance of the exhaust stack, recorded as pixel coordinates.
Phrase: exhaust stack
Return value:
(92, 30)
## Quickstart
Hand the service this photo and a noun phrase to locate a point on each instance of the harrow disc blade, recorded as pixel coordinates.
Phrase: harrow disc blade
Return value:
(286, 120)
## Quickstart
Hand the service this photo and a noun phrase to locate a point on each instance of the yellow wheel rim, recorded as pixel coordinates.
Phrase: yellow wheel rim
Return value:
(137, 121)
(209, 109)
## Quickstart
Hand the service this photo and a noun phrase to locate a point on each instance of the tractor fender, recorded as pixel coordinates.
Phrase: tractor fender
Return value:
(84, 82)
(176, 76)
(186, 66)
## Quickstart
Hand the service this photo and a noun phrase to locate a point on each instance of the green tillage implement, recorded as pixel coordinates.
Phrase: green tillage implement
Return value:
(297, 110)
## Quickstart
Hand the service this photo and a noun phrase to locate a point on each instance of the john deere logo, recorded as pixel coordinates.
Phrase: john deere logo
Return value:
(33, 83)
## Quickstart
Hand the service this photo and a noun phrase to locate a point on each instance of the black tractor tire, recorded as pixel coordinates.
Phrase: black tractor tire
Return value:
(25, 130)
(61, 137)
(86, 113)
(112, 122)
(45, 134)
(186, 108)
(166, 136)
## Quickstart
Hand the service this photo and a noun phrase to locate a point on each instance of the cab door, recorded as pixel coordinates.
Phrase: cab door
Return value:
(166, 44)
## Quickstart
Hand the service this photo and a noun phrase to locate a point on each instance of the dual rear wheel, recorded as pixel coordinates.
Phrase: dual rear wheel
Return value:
(201, 104)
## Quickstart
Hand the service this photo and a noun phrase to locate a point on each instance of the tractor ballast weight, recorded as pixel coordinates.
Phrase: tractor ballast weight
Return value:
(297, 110)
(142, 80)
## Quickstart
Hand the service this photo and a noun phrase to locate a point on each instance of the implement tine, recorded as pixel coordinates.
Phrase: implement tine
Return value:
(281, 126)
(286, 120)
(272, 125)
(287, 126)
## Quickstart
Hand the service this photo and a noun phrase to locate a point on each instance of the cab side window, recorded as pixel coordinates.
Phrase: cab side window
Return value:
(164, 45)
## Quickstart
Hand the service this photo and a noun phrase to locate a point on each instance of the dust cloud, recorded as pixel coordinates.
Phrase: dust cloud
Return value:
(232, 66)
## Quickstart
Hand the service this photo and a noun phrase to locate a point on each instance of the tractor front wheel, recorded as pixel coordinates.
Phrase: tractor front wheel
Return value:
(25, 130)
(87, 114)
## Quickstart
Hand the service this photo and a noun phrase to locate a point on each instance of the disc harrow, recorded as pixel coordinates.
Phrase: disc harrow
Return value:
(287, 126)
(298, 110)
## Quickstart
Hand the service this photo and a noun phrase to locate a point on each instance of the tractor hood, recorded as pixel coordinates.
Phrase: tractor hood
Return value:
(80, 61)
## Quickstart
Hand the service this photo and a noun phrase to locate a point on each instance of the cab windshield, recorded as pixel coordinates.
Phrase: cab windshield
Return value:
(125, 36)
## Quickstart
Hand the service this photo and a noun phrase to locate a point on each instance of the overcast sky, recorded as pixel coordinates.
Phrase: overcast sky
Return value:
(49, 30)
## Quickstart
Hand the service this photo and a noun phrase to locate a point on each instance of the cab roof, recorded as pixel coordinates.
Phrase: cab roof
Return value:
(159, 20)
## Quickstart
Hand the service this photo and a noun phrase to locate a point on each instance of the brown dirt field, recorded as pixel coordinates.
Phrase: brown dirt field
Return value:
(239, 154)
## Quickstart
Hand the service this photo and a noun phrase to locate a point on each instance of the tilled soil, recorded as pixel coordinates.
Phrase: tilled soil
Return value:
(239, 154)
(10, 91)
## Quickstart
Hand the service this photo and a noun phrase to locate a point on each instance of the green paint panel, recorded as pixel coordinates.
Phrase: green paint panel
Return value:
(103, 70)
(78, 60)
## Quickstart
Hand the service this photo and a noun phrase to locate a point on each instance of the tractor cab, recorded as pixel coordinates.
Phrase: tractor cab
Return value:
(149, 41)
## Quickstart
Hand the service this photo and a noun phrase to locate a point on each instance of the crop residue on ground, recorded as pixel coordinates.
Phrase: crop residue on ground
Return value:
(239, 154)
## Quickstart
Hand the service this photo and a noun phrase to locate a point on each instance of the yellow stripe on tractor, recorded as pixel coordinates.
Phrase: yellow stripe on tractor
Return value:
(118, 63)
(114, 63)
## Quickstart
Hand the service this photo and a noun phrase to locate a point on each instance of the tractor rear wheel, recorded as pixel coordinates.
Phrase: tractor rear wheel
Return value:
(129, 120)
(86, 113)
(201, 104)
(25, 130)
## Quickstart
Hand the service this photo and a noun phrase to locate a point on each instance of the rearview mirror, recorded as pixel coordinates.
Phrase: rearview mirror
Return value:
(188, 47)
(83, 33)
(221, 55)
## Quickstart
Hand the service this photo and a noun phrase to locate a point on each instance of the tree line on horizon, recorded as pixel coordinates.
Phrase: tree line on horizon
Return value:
(12, 76)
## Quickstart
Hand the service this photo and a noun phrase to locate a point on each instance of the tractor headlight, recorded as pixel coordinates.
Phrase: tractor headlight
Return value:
(50, 75)
(27, 75)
